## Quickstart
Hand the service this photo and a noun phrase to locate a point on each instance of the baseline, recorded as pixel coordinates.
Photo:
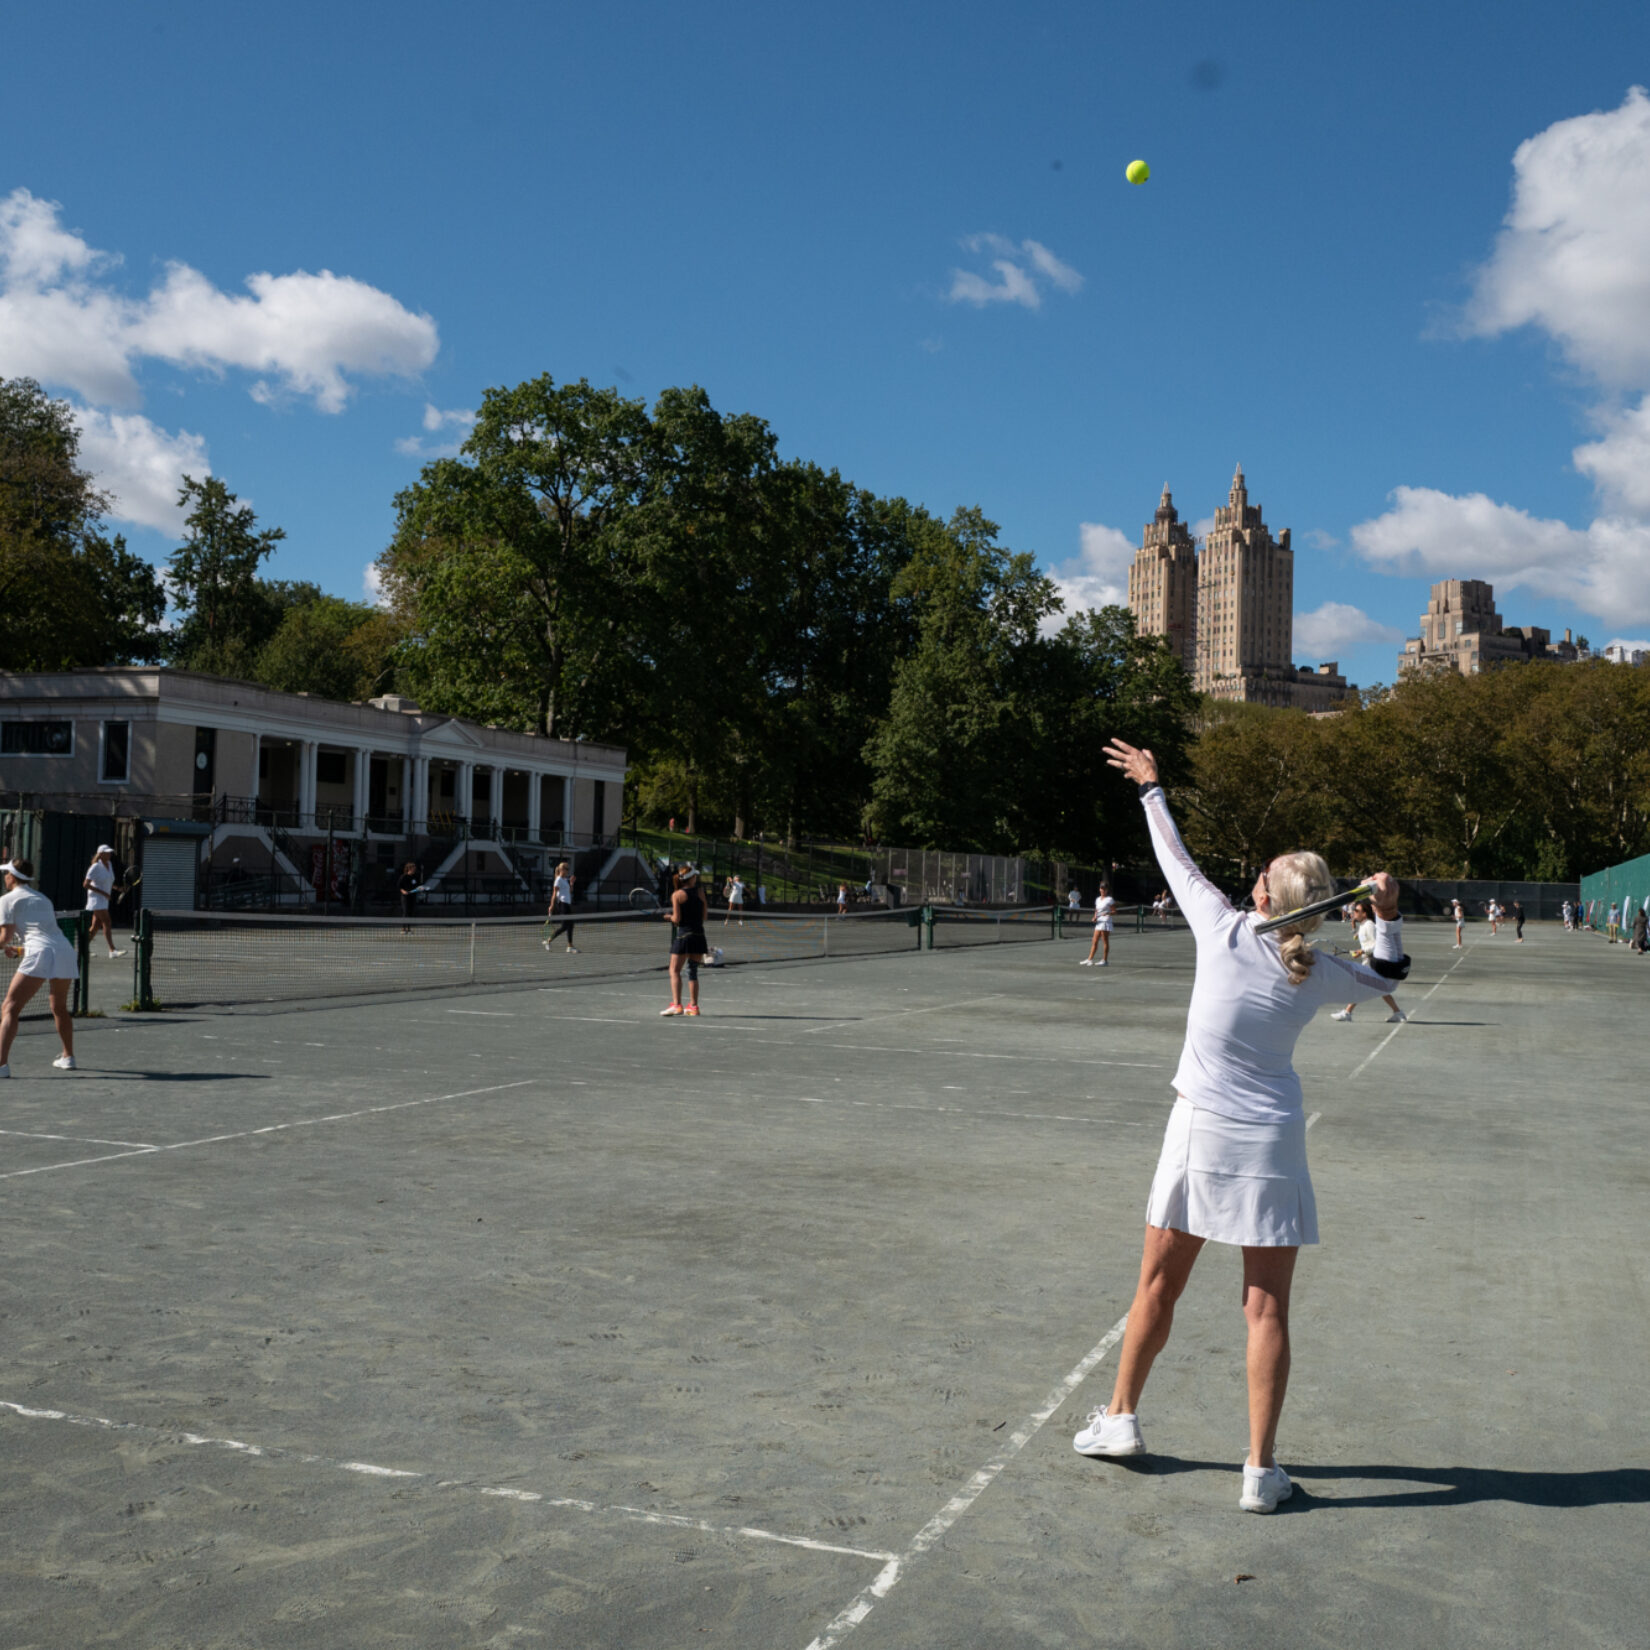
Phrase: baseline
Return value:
(369, 1469)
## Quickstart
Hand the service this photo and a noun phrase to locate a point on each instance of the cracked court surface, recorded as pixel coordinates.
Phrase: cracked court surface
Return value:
(517, 1318)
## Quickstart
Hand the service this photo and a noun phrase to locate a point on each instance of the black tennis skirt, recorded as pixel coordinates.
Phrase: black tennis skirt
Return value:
(690, 943)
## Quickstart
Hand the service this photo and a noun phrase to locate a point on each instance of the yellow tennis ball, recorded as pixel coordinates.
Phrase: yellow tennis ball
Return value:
(1137, 171)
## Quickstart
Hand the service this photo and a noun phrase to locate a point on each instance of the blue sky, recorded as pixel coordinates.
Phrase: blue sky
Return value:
(294, 247)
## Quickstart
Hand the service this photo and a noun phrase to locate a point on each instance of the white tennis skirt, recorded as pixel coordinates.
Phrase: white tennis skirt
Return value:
(1243, 1183)
(49, 962)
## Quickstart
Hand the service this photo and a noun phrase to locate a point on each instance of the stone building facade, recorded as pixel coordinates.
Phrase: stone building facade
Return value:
(1462, 631)
(1228, 611)
(1163, 582)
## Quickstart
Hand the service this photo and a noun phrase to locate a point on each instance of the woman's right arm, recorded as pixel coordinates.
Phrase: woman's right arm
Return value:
(1201, 903)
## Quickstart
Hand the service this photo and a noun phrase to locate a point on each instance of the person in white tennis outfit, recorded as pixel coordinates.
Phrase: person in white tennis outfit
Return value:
(1104, 907)
(99, 883)
(1233, 1165)
(29, 931)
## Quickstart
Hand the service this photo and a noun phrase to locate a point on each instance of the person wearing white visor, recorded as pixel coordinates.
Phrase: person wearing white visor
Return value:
(99, 883)
(29, 932)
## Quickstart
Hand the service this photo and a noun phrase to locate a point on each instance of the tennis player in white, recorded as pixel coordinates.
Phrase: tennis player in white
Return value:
(1233, 1166)
(99, 883)
(29, 931)
(1104, 906)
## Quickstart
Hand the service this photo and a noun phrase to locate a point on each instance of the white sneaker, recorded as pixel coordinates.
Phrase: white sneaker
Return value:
(1264, 1488)
(1341, 1014)
(5, 1071)
(1104, 1434)
(64, 1062)
(1397, 1017)
(572, 951)
(1087, 962)
(1101, 963)
(114, 954)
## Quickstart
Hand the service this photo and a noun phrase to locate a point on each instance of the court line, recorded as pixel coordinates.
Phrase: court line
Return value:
(866, 1600)
(270, 1128)
(900, 1013)
(1368, 1058)
(370, 1469)
(80, 1139)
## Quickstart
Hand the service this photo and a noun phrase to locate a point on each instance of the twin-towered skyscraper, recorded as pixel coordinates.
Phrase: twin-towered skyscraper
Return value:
(1228, 612)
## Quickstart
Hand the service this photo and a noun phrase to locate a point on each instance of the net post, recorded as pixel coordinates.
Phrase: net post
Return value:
(473, 953)
(1140, 919)
(83, 957)
(143, 980)
(928, 927)
(1059, 921)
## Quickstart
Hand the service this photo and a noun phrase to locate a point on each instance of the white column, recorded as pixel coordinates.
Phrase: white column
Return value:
(495, 799)
(363, 773)
(464, 792)
(415, 794)
(567, 809)
(257, 758)
(306, 783)
(535, 794)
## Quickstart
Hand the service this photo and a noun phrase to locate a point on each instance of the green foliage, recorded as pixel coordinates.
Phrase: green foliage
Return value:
(227, 612)
(73, 597)
(330, 647)
(1536, 771)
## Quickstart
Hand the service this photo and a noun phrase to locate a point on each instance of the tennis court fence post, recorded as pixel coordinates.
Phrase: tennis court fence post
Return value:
(83, 956)
(143, 982)
(473, 953)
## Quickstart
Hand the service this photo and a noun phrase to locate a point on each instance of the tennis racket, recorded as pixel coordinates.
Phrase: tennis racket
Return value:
(644, 899)
(127, 885)
(1317, 908)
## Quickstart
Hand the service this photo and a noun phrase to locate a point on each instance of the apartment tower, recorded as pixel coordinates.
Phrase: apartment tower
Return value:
(1163, 582)
(1245, 606)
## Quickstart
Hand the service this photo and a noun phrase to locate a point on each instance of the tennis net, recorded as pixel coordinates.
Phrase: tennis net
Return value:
(960, 925)
(221, 959)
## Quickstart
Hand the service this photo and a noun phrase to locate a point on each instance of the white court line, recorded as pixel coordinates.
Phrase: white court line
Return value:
(1368, 1058)
(973, 1111)
(889, 1576)
(969, 1054)
(486, 1013)
(270, 1128)
(79, 1139)
(371, 1469)
(900, 1013)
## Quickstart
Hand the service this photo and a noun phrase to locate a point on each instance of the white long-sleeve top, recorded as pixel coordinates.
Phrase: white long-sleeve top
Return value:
(1246, 1012)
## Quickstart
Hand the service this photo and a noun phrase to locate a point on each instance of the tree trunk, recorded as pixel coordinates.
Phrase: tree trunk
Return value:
(693, 803)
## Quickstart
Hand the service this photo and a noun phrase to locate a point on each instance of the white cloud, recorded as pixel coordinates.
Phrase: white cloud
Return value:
(1332, 630)
(372, 585)
(1203, 527)
(1628, 642)
(1315, 538)
(141, 465)
(1022, 269)
(1603, 568)
(1572, 259)
(1573, 255)
(1097, 576)
(460, 421)
(309, 334)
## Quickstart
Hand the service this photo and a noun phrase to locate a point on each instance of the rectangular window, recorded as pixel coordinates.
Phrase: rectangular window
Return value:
(331, 768)
(115, 764)
(36, 738)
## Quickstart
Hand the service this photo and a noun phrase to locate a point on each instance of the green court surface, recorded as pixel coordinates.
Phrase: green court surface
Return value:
(521, 1316)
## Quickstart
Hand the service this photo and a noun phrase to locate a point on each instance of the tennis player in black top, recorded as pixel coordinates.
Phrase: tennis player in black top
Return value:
(688, 909)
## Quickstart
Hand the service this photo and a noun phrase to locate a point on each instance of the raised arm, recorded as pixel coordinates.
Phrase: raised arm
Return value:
(1202, 904)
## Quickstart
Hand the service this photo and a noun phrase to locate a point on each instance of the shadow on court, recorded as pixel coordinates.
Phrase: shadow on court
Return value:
(1451, 1486)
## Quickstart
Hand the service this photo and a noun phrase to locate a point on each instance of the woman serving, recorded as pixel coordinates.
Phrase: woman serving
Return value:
(1233, 1166)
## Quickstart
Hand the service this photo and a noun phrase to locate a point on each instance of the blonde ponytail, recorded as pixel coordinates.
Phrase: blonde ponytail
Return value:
(1294, 880)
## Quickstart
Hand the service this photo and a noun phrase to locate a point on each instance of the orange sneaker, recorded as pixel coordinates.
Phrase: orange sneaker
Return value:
(675, 1008)
(692, 1008)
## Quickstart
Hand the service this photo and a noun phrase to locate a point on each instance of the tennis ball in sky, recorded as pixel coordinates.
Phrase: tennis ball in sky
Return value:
(1137, 171)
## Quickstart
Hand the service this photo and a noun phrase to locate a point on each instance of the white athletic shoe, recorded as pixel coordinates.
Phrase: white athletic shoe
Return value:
(64, 1062)
(1087, 962)
(1397, 1017)
(1104, 1434)
(5, 1071)
(1101, 964)
(114, 954)
(672, 1010)
(1341, 1014)
(1264, 1488)
(572, 951)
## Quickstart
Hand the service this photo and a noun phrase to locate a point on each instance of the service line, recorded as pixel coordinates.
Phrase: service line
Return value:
(269, 1128)
(370, 1469)
(866, 1600)
(1368, 1059)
